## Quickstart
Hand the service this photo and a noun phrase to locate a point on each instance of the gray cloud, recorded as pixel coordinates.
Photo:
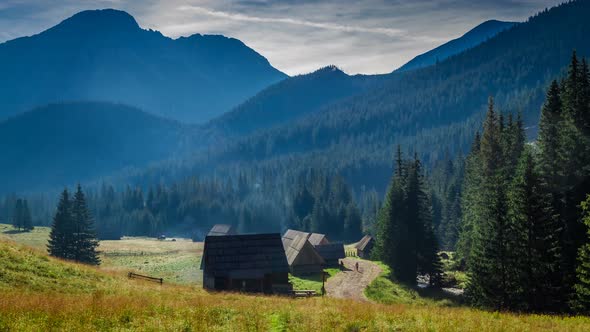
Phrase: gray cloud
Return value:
(297, 36)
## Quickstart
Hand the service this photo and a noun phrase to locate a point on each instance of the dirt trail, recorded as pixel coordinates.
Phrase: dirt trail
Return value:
(351, 284)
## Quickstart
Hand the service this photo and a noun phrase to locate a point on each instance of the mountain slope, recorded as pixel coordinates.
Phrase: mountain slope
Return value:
(472, 38)
(104, 55)
(290, 99)
(429, 110)
(60, 144)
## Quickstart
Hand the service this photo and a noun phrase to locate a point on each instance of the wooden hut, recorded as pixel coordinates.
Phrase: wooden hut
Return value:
(331, 253)
(221, 230)
(249, 263)
(302, 257)
(365, 246)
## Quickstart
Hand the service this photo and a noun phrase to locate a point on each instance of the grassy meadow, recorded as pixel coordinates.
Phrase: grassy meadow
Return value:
(175, 261)
(40, 293)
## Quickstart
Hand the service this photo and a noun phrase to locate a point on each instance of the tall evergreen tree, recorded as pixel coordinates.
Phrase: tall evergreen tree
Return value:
(27, 220)
(17, 215)
(85, 243)
(582, 288)
(534, 235)
(60, 238)
(489, 261)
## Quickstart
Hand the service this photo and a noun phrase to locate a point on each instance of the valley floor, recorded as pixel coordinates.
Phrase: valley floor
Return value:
(40, 293)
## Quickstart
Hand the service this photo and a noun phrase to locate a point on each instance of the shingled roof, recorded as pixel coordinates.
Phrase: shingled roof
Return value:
(362, 244)
(301, 251)
(317, 239)
(314, 238)
(221, 229)
(244, 256)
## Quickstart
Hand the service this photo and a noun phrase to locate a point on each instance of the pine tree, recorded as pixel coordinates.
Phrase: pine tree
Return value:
(534, 240)
(60, 238)
(85, 243)
(27, 220)
(17, 216)
(470, 201)
(582, 288)
(489, 262)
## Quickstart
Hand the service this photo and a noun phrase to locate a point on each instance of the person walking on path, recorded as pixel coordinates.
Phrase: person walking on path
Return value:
(356, 266)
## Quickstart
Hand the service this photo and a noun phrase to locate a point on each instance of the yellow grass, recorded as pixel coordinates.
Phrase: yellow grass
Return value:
(62, 296)
(175, 261)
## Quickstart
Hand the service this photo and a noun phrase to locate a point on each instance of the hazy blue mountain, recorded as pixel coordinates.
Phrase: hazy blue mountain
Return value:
(433, 111)
(60, 144)
(103, 55)
(473, 37)
(291, 99)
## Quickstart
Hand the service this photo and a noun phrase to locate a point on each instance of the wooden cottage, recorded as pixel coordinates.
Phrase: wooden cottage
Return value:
(365, 246)
(302, 257)
(249, 263)
(222, 229)
(331, 253)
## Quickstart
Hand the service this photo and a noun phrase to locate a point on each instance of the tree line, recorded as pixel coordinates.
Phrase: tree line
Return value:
(72, 233)
(522, 229)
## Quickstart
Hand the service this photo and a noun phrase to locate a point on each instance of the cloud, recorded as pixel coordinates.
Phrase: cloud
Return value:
(328, 26)
(297, 36)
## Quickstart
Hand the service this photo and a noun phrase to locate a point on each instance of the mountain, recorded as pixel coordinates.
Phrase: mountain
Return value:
(290, 99)
(433, 111)
(61, 144)
(103, 55)
(474, 37)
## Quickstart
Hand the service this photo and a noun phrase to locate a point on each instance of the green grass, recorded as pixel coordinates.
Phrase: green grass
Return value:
(37, 238)
(39, 293)
(176, 262)
(384, 290)
(311, 282)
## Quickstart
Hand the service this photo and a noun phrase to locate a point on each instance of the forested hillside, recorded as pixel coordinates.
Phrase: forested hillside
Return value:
(64, 143)
(103, 55)
(431, 111)
(473, 37)
(290, 99)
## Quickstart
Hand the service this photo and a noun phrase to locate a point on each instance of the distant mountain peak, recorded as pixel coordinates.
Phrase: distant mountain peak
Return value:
(330, 69)
(100, 19)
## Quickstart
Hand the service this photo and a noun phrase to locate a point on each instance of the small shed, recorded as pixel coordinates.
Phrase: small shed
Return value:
(302, 257)
(221, 230)
(331, 253)
(249, 263)
(365, 246)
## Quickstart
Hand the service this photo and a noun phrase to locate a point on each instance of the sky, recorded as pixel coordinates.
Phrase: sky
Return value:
(297, 37)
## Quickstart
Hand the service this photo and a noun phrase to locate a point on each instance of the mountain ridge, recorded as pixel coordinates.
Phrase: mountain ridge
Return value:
(104, 55)
(470, 39)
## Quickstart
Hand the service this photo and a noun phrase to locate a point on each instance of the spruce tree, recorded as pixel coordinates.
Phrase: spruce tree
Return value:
(582, 288)
(85, 243)
(27, 220)
(60, 238)
(470, 201)
(17, 215)
(489, 262)
(534, 240)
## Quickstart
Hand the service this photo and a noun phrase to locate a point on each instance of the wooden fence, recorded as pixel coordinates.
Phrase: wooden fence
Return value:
(132, 275)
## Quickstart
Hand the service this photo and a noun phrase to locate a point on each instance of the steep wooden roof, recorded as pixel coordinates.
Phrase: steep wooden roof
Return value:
(222, 229)
(364, 242)
(317, 239)
(300, 251)
(244, 256)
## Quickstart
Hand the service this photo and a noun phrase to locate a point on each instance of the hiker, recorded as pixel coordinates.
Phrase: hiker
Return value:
(356, 266)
